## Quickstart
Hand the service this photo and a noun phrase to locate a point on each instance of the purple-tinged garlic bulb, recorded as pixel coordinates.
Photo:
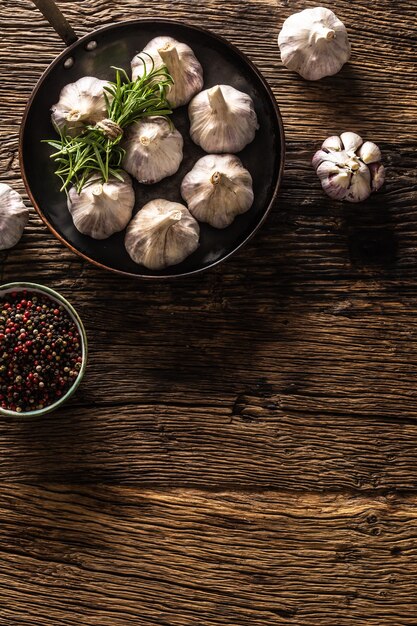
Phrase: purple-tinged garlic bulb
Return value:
(349, 168)
(314, 43)
(161, 234)
(222, 119)
(102, 208)
(80, 104)
(14, 216)
(180, 62)
(217, 189)
(153, 150)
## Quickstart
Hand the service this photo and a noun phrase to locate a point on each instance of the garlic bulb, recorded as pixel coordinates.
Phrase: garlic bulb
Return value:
(101, 209)
(80, 104)
(14, 216)
(181, 63)
(162, 233)
(153, 150)
(314, 43)
(217, 189)
(348, 168)
(222, 119)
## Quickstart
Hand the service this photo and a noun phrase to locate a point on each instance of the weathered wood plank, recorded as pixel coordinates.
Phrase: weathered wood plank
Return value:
(115, 556)
(255, 444)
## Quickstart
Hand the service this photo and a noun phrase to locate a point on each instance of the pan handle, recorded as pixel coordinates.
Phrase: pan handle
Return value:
(57, 20)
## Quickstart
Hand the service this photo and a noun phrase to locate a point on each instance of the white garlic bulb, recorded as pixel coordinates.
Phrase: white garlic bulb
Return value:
(222, 119)
(14, 216)
(348, 168)
(153, 150)
(217, 189)
(181, 63)
(162, 233)
(80, 104)
(102, 209)
(314, 43)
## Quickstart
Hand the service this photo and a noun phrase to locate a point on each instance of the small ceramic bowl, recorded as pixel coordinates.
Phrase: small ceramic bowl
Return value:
(53, 295)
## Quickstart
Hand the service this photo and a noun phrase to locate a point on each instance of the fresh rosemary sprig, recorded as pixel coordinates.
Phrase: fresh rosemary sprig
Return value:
(97, 148)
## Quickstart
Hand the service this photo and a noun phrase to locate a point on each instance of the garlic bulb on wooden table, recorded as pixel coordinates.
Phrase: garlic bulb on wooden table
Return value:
(217, 189)
(223, 119)
(181, 63)
(102, 208)
(314, 43)
(153, 150)
(80, 104)
(14, 216)
(161, 234)
(349, 168)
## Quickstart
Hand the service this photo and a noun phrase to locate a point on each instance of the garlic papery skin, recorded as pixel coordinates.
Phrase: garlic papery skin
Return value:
(153, 150)
(217, 189)
(102, 208)
(80, 104)
(161, 234)
(348, 168)
(14, 216)
(223, 119)
(314, 43)
(181, 64)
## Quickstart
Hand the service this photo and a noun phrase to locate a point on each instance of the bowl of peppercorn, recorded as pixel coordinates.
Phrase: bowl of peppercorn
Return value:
(43, 350)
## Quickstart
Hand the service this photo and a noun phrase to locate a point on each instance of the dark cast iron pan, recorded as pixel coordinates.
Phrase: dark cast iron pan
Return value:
(116, 44)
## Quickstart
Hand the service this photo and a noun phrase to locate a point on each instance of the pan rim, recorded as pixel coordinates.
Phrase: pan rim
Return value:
(235, 50)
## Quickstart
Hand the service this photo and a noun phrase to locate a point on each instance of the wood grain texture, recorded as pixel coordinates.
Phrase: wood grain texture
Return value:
(110, 556)
(247, 439)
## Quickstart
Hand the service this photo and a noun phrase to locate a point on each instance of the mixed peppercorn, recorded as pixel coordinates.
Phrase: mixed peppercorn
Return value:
(40, 351)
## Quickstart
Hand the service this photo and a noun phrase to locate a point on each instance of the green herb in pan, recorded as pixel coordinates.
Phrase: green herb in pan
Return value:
(97, 148)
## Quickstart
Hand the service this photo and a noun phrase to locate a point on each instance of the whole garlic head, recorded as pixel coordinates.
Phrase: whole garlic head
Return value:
(314, 43)
(102, 209)
(217, 189)
(348, 168)
(14, 216)
(181, 63)
(80, 104)
(223, 119)
(162, 233)
(153, 150)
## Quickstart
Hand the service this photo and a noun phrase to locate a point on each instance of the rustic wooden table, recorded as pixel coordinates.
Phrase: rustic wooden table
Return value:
(243, 450)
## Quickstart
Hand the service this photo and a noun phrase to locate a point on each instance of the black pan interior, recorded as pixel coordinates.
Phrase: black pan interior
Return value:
(116, 45)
